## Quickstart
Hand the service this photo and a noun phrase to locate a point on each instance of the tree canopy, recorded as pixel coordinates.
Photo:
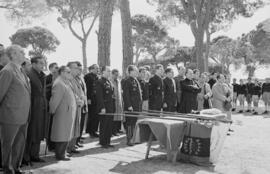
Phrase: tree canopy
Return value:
(41, 40)
(201, 14)
(151, 38)
(24, 11)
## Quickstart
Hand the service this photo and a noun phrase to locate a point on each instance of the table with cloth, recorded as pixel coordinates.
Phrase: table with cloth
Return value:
(189, 140)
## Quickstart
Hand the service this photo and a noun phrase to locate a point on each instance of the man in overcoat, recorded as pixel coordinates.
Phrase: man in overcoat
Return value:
(118, 102)
(79, 96)
(37, 127)
(63, 108)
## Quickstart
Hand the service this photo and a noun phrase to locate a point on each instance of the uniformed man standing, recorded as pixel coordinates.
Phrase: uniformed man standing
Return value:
(170, 98)
(145, 87)
(156, 89)
(105, 104)
(93, 120)
(132, 96)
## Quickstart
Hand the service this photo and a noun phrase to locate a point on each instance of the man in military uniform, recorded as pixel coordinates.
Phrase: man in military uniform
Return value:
(156, 89)
(93, 120)
(170, 98)
(145, 87)
(105, 104)
(132, 96)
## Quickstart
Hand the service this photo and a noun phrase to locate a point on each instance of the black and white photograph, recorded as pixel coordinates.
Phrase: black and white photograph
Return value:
(134, 86)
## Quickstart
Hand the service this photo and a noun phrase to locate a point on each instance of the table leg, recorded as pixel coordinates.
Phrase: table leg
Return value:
(149, 145)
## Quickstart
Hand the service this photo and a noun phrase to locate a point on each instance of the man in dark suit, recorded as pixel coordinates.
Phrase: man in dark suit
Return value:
(170, 98)
(132, 96)
(93, 119)
(180, 77)
(105, 104)
(156, 89)
(15, 102)
(37, 127)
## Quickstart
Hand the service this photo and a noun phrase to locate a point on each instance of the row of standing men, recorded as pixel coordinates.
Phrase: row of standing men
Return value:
(35, 106)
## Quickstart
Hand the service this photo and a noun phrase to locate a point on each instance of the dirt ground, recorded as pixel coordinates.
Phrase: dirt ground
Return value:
(246, 151)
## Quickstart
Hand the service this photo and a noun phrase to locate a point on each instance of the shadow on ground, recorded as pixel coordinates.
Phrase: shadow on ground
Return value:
(158, 164)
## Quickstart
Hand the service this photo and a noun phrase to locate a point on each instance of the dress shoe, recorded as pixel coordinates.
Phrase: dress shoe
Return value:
(19, 171)
(265, 112)
(105, 146)
(115, 134)
(79, 145)
(74, 151)
(255, 113)
(95, 134)
(38, 160)
(130, 144)
(63, 159)
(26, 163)
(111, 146)
(69, 154)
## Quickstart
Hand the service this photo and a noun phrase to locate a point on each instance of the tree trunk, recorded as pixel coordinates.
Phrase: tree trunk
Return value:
(126, 35)
(199, 49)
(104, 33)
(84, 42)
(208, 40)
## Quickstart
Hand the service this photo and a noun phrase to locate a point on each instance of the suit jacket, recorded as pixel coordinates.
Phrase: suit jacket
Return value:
(63, 106)
(91, 85)
(145, 89)
(105, 95)
(189, 102)
(132, 94)
(170, 97)
(14, 95)
(155, 93)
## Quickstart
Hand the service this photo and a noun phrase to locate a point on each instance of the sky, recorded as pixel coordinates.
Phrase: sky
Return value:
(70, 47)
